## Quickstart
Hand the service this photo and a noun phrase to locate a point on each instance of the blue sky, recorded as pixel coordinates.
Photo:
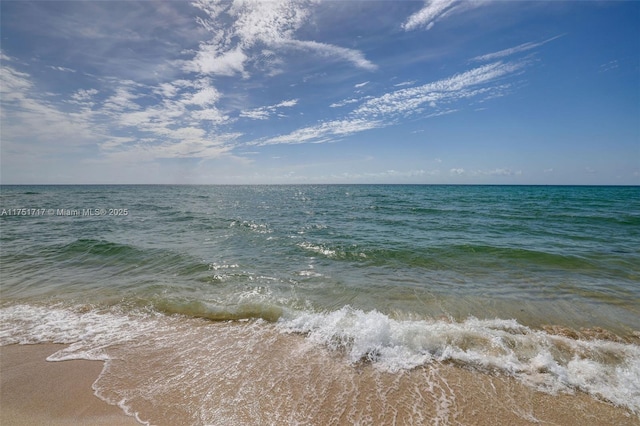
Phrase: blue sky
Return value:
(438, 91)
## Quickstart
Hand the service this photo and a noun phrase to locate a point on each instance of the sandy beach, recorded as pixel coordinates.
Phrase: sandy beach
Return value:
(36, 392)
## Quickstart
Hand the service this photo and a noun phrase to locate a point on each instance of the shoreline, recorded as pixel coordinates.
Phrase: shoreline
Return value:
(35, 391)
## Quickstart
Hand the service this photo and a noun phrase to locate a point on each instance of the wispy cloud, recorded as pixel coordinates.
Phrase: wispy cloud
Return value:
(183, 117)
(29, 117)
(331, 52)
(434, 10)
(323, 132)
(265, 112)
(344, 102)
(385, 175)
(384, 110)
(405, 83)
(63, 69)
(231, 76)
(84, 95)
(611, 65)
(240, 29)
(459, 86)
(183, 123)
(499, 172)
(459, 171)
(512, 50)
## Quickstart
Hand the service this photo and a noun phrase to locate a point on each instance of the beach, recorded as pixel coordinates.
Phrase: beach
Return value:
(36, 392)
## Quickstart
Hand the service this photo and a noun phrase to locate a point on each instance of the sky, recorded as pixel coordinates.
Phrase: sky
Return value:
(312, 91)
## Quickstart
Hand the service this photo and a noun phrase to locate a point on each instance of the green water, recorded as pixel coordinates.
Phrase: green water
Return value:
(561, 255)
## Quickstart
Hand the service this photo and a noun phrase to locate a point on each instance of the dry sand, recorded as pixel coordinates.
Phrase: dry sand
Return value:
(36, 392)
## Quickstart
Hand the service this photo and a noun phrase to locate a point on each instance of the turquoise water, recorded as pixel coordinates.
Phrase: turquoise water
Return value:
(336, 263)
(560, 255)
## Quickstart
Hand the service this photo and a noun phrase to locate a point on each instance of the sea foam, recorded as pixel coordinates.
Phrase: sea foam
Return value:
(552, 363)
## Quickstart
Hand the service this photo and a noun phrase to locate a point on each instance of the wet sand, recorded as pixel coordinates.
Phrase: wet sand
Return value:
(36, 392)
(298, 385)
(221, 373)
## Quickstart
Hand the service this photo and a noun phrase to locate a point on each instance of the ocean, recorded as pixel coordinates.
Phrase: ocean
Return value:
(331, 304)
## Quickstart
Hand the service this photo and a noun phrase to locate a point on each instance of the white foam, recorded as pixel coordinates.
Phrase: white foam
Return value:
(260, 228)
(87, 332)
(317, 249)
(552, 363)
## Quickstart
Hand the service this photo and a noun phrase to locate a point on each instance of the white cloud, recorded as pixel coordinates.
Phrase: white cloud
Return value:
(322, 132)
(183, 124)
(457, 171)
(29, 119)
(14, 84)
(440, 113)
(405, 83)
(121, 101)
(63, 69)
(167, 90)
(512, 50)
(84, 94)
(289, 103)
(185, 142)
(344, 102)
(332, 52)
(265, 112)
(611, 65)
(116, 142)
(383, 175)
(381, 111)
(204, 97)
(210, 114)
(184, 116)
(256, 114)
(268, 21)
(209, 60)
(450, 89)
(499, 172)
(434, 10)
(238, 27)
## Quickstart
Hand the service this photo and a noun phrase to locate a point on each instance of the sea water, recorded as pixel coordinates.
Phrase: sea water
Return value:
(211, 284)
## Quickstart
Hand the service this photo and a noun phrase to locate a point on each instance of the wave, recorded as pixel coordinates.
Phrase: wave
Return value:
(88, 252)
(104, 248)
(446, 255)
(242, 310)
(551, 362)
